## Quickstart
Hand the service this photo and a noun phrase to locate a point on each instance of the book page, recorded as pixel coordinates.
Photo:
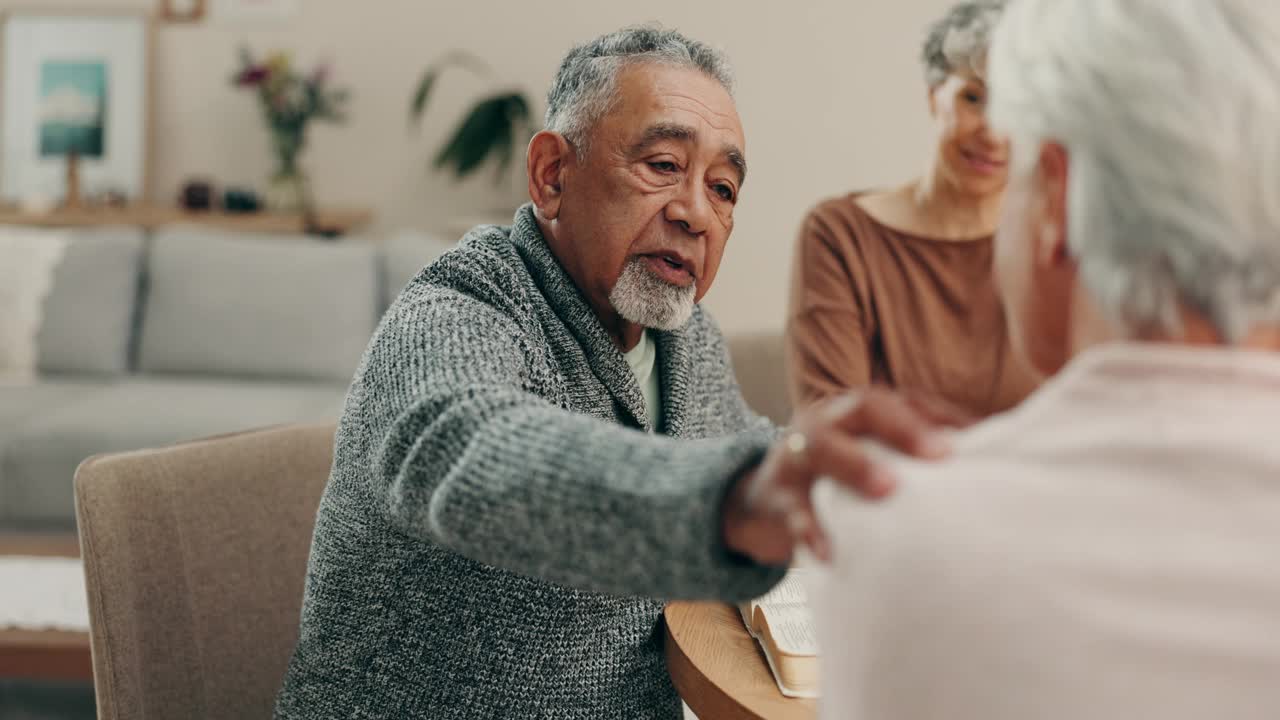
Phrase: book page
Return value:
(792, 627)
(789, 591)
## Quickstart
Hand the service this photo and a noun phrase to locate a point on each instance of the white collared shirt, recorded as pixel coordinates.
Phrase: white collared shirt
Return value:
(643, 360)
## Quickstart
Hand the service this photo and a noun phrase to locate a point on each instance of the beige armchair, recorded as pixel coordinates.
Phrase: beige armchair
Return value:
(195, 557)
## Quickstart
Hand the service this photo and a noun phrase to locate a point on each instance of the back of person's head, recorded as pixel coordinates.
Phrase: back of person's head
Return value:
(1170, 113)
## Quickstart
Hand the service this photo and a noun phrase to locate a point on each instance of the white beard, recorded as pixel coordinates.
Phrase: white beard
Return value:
(649, 301)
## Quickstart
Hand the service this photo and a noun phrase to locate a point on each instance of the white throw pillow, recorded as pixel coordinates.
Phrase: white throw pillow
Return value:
(28, 258)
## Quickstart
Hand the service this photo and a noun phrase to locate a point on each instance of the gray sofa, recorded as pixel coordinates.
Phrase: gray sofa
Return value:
(148, 340)
(151, 340)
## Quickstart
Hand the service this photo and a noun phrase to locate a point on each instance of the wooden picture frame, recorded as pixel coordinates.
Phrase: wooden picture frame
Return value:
(122, 42)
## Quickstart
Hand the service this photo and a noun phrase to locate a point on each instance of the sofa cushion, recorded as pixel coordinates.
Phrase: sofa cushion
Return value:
(257, 306)
(19, 404)
(38, 457)
(23, 406)
(404, 255)
(90, 311)
(759, 364)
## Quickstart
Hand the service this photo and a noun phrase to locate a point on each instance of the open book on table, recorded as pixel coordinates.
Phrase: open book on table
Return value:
(782, 622)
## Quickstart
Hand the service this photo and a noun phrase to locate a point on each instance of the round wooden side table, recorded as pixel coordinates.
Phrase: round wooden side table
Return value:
(719, 669)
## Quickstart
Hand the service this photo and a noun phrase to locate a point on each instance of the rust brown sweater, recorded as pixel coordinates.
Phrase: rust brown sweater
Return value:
(874, 305)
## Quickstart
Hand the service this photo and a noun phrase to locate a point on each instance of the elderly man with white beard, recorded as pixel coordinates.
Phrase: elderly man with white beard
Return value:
(545, 439)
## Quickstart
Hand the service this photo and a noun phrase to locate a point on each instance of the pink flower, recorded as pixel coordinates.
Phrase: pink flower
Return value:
(253, 75)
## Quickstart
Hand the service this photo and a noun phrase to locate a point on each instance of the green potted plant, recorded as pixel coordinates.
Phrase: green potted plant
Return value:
(494, 131)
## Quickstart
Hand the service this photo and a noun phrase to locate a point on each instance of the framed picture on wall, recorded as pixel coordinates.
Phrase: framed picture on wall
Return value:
(74, 105)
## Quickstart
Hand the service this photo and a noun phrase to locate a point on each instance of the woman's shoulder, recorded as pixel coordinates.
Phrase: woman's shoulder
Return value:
(834, 206)
(842, 219)
(881, 205)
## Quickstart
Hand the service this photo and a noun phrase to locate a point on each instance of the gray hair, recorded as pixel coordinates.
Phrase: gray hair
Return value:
(959, 41)
(1168, 112)
(583, 89)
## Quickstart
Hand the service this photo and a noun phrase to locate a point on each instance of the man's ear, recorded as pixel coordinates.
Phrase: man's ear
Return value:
(548, 160)
(1052, 171)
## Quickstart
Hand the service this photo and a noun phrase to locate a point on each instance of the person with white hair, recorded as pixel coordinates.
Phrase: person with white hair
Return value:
(1110, 548)
(893, 287)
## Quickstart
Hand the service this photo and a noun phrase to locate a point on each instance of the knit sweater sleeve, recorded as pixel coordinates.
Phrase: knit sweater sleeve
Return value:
(471, 457)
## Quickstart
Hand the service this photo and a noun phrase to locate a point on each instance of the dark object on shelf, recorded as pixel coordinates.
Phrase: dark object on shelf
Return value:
(197, 195)
(323, 232)
(238, 200)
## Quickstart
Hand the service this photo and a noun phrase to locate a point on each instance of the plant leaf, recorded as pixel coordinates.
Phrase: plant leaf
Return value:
(420, 96)
(516, 108)
(457, 58)
(478, 135)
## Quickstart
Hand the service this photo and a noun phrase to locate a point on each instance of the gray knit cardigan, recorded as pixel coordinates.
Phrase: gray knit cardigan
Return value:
(498, 533)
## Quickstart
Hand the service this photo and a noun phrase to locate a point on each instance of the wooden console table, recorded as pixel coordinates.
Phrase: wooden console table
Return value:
(149, 217)
(44, 654)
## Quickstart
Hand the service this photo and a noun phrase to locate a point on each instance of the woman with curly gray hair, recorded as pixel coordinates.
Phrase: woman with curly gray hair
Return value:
(893, 287)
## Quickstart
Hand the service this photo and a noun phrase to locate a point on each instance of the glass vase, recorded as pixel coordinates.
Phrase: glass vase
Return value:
(287, 187)
(286, 192)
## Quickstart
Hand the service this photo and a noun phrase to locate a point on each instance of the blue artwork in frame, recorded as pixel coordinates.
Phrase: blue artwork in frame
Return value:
(73, 108)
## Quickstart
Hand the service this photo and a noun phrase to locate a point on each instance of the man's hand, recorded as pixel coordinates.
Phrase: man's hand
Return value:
(769, 512)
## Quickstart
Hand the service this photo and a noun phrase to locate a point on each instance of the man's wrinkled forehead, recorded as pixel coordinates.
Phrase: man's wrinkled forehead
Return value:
(658, 103)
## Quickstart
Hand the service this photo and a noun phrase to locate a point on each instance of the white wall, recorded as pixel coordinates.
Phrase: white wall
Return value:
(830, 92)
